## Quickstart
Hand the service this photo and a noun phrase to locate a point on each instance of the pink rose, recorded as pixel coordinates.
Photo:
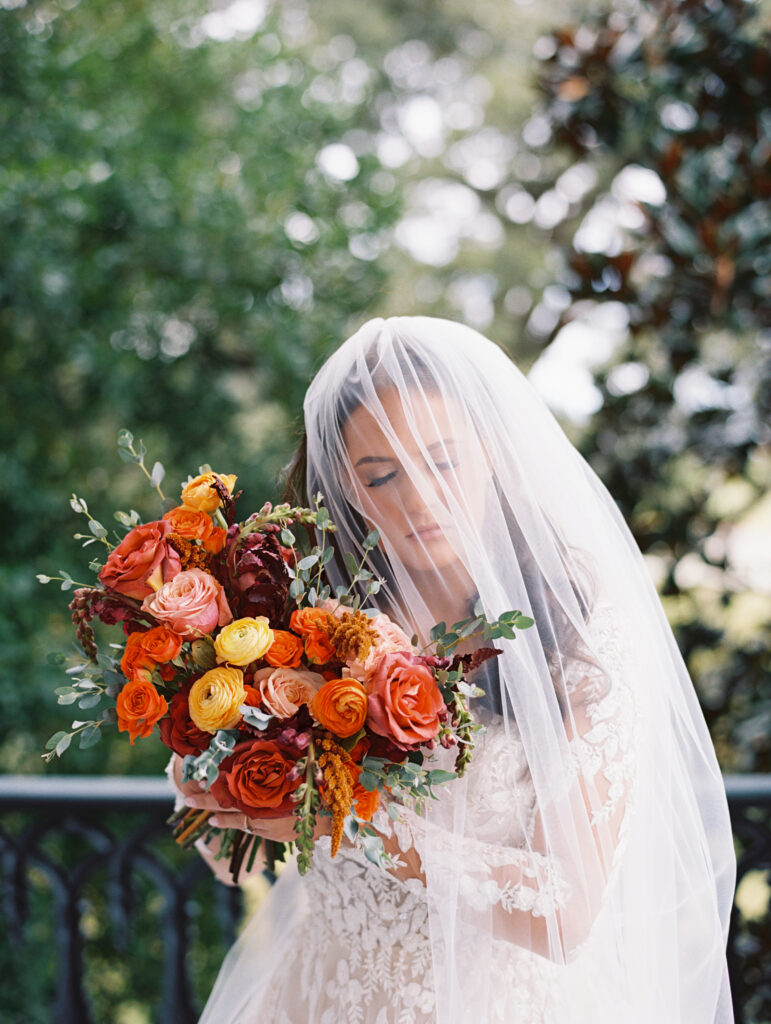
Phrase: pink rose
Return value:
(142, 562)
(192, 604)
(283, 690)
(390, 638)
(404, 700)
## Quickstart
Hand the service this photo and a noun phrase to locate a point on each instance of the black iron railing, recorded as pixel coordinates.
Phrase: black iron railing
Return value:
(59, 834)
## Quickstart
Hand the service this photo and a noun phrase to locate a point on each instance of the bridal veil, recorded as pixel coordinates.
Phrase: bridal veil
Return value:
(619, 874)
(582, 870)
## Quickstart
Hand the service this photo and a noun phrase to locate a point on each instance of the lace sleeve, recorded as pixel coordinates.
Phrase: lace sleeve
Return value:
(504, 863)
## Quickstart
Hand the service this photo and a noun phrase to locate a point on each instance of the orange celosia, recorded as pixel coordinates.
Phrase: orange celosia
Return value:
(139, 706)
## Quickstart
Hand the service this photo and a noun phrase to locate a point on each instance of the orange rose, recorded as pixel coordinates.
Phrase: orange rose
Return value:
(161, 643)
(311, 624)
(142, 561)
(286, 651)
(341, 706)
(193, 524)
(366, 802)
(136, 663)
(139, 706)
(257, 779)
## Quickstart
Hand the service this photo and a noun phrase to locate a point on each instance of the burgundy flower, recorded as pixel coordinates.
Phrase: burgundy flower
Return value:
(178, 731)
(257, 571)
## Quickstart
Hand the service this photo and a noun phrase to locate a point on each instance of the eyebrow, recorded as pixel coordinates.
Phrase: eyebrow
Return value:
(389, 458)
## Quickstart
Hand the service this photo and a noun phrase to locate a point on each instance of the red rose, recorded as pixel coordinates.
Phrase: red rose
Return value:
(142, 562)
(255, 779)
(178, 731)
(404, 700)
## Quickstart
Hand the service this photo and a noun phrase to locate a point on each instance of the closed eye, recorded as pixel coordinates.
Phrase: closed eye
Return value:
(380, 480)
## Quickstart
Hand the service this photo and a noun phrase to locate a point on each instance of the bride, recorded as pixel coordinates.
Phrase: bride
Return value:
(582, 871)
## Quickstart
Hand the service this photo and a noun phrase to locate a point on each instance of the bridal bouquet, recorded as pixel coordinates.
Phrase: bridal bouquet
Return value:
(282, 696)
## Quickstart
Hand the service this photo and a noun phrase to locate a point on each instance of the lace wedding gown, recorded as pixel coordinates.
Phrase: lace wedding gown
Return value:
(349, 942)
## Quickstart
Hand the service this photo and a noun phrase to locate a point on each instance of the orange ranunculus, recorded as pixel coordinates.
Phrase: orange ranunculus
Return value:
(286, 651)
(136, 662)
(366, 802)
(161, 643)
(200, 495)
(193, 524)
(139, 706)
(341, 706)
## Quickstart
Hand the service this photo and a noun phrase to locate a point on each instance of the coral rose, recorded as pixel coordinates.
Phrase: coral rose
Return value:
(215, 699)
(366, 802)
(256, 779)
(193, 524)
(283, 690)
(139, 706)
(404, 700)
(200, 495)
(142, 562)
(192, 604)
(244, 641)
(136, 663)
(161, 643)
(178, 730)
(286, 651)
(341, 706)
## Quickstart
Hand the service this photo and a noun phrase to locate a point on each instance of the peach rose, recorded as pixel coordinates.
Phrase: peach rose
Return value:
(283, 690)
(192, 524)
(142, 562)
(200, 495)
(341, 706)
(286, 651)
(192, 604)
(139, 706)
(216, 698)
(404, 700)
(390, 638)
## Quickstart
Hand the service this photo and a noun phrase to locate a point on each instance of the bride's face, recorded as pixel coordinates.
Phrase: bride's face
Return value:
(403, 487)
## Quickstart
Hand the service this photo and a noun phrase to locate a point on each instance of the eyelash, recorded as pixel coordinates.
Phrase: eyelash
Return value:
(380, 480)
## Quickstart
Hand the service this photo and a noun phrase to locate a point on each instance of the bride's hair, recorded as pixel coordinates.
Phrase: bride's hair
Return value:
(560, 639)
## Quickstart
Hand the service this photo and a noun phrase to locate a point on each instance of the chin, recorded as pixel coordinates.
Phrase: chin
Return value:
(433, 558)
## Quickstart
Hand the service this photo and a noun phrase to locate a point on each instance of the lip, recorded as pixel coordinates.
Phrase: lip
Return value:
(426, 533)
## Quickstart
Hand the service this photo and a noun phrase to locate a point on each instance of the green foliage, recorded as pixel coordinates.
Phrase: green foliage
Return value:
(173, 256)
(680, 92)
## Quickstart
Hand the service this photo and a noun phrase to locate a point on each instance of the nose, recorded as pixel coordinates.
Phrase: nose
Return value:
(419, 487)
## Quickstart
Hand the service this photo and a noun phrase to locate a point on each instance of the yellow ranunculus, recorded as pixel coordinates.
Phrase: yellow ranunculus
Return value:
(244, 641)
(215, 698)
(199, 494)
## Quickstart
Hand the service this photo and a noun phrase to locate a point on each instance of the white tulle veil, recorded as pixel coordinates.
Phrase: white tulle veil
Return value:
(620, 875)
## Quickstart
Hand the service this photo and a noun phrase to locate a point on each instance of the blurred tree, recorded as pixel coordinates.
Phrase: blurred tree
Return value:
(183, 236)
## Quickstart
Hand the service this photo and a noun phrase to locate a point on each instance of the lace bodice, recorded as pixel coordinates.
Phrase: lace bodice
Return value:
(374, 928)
